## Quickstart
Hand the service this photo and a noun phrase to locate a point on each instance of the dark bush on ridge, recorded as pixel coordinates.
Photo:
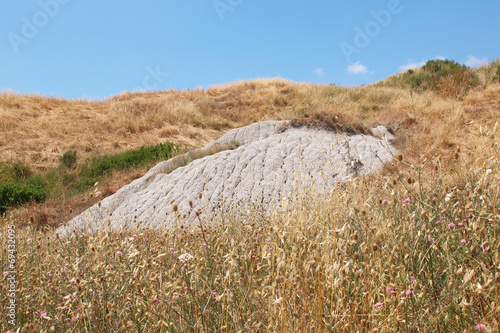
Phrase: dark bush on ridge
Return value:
(445, 77)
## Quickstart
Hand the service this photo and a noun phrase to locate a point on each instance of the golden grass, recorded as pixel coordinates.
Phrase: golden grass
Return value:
(410, 251)
(361, 259)
(37, 130)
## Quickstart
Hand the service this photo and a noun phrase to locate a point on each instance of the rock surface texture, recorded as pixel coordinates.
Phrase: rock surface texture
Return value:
(268, 167)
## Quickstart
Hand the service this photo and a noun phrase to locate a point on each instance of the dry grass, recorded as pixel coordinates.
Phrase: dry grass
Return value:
(410, 251)
(414, 248)
(37, 130)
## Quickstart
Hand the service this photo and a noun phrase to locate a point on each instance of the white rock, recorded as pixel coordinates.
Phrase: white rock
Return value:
(266, 170)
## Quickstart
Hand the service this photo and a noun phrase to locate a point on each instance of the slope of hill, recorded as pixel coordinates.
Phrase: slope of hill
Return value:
(413, 248)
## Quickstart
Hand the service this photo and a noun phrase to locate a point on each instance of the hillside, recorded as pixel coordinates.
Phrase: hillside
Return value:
(414, 247)
(36, 131)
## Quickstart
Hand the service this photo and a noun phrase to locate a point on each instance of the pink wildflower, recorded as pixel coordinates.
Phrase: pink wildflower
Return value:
(29, 240)
(463, 241)
(119, 253)
(451, 225)
(481, 327)
(379, 304)
(408, 292)
(406, 200)
(384, 202)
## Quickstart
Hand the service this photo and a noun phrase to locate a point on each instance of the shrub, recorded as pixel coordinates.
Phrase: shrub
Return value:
(445, 77)
(12, 194)
(69, 159)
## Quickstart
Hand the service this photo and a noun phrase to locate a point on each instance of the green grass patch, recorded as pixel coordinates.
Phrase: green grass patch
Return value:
(19, 185)
(98, 167)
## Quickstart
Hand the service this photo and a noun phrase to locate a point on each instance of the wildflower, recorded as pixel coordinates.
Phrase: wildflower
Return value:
(406, 200)
(214, 294)
(430, 239)
(379, 304)
(204, 244)
(451, 225)
(119, 253)
(359, 271)
(438, 221)
(175, 293)
(29, 240)
(388, 289)
(185, 257)
(463, 241)
(384, 202)
(270, 249)
(481, 327)
(135, 275)
(408, 292)
(299, 290)
(154, 300)
(72, 281)
(470, 215)
(412, 277)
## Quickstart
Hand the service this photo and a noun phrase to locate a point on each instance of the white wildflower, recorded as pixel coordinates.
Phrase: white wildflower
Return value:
(185, 257)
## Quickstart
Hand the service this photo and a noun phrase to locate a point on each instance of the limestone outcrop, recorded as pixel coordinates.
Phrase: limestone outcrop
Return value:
(267, 168)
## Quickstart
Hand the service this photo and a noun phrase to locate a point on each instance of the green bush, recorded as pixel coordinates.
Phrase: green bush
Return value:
(69, 159)
(12, 194)
(445, 77)
(497, 74)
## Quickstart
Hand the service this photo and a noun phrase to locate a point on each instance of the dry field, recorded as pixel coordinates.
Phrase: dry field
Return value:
(414, 248)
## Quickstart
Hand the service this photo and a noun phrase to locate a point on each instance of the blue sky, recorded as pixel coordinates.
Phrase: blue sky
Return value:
(96, 49)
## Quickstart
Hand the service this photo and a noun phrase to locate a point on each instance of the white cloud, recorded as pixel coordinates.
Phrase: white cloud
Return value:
(319, 71)
(475, 62)
(411, 65)
(357, 68)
